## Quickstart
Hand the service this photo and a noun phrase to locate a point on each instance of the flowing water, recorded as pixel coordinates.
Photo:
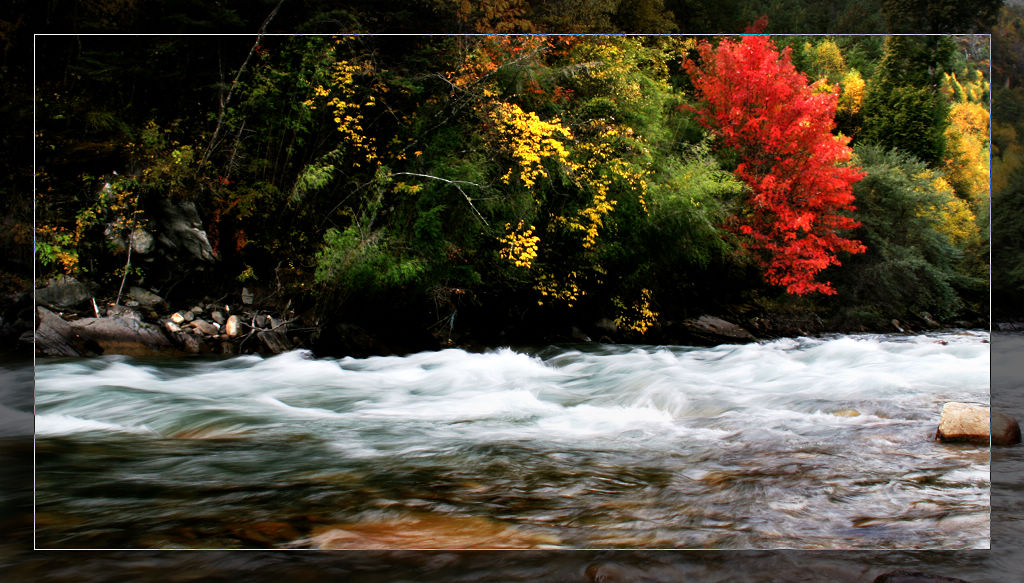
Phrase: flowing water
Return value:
(793, 443)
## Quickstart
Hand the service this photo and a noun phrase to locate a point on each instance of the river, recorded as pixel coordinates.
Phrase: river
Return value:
(822, 443)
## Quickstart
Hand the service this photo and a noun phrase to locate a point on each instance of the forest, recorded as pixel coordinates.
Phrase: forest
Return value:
(509, 186)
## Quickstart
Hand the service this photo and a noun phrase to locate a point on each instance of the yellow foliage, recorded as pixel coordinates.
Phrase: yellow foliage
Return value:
(520, 247)
(967, 161)
(972, 90)
(639, 316)
(852, 97)
(529, 140)
(826, 58)
(341, 97)
(565, 290)
(955, 219)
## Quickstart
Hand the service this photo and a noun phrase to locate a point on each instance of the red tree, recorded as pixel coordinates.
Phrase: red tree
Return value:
(761, 107)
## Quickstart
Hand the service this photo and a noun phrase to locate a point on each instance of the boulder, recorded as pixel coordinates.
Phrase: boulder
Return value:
(146, 298)
(965, 423)
(205, 327)
(63, 291)
(713, 329)
(121, 335)
(233, 326)
(180, 229)
(53, 335)
(119, 311)
(1005, 429)
(274, 341)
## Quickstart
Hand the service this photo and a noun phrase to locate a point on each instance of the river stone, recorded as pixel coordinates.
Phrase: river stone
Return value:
(274, 341)
(63, 291)
(146, 298)
(205, 327)
(1005, 429)
(188, 315)
(233, 326)
(172, 327)
(121, 335)
(962, 422)
(261, 321)
(53, 335)
(217, 317)
(429, 532)
(119, 311)
(716, 329)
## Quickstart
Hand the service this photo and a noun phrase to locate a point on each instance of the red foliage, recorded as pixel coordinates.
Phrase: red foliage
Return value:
(761, 107)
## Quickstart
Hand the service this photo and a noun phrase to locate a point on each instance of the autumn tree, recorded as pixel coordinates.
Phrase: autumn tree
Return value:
(780, 127)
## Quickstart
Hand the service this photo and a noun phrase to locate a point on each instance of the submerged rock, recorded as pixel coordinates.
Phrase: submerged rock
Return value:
(429, 532)
(965, 423)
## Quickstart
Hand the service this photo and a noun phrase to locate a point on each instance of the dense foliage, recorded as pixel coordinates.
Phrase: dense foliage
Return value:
(494, 185)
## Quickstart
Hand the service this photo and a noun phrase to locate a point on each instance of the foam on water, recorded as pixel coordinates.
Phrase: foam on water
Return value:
(758, 428)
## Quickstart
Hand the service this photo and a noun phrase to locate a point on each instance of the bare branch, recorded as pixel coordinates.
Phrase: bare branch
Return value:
(234, 83)
(454, 183)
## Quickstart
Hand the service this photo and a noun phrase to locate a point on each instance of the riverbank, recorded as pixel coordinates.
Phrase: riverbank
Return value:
(69, 319)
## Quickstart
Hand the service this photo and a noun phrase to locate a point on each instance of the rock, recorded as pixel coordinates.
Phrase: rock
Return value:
(172, 327)
(711, 328)
(217, 317)
(233, 326)
(896, 324)
(205, 327)
(197, 310)
(53, 336)
(247, 297)
(606, 325)
(962, 422)
(142, 242)
(178, 318)
(847, 413)
(63, 291)
(261, 321)
(903, 576)
(180, 229)
(429, 532)
(929, 321)
(120, 335)
(274, 341)
(118, 311)
(189, 343)
(188, 316)
(146, 298)
(228, 348)
(578, 335)
(265, 534)
(1005, 429)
